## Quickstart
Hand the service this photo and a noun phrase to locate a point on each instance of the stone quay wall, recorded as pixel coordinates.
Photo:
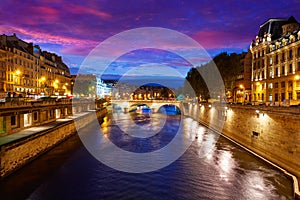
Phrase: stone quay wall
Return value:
(16, 154)
(272, 133)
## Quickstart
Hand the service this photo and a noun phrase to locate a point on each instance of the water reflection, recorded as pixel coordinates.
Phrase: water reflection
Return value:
(208, 170)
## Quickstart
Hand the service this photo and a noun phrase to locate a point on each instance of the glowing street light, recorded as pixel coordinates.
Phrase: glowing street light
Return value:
(18, 72)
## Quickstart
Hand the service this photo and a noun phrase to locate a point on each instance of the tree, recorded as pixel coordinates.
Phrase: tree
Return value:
(229, 66)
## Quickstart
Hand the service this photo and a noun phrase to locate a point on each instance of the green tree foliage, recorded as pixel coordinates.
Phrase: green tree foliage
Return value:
(85, 87)
(195, 85)
(229, 66)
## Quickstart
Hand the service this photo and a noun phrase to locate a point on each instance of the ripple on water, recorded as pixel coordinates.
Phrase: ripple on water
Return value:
(224, 172)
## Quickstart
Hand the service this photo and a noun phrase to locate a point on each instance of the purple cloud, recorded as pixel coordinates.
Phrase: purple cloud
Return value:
(73, 29)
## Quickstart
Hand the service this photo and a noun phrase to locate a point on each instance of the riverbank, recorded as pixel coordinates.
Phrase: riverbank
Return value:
(268, 133)
(20, 148)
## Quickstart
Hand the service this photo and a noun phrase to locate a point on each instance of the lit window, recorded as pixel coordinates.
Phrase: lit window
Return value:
(270, 85)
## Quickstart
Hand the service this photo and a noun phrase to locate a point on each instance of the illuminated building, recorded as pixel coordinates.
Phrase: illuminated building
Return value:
(27, 70)
(242, 83)
(103, 90)
(276, 62)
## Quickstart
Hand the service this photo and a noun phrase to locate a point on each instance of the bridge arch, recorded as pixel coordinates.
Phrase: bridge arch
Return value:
(169, 109)
(137, 106)
(153, 104)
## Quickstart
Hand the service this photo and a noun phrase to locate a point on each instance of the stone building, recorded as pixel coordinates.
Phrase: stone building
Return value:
(103, 90)
(242, 84)
(276, 62)
(27, 70)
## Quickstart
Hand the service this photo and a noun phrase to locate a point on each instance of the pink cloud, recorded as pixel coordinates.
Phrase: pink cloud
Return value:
(38, 37)
(78, 9)
(44, 10)
(214, 39)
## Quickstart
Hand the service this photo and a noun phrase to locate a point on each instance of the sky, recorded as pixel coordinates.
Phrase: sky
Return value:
(73, 29)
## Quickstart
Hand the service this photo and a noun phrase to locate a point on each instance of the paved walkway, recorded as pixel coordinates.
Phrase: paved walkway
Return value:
(32, 130)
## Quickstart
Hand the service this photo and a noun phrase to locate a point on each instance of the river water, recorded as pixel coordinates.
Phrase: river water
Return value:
(226, 172)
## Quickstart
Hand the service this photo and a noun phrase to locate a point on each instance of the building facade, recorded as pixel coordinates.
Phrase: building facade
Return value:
(27, 70)
(276, 63)
(242, 85)
(103, 90)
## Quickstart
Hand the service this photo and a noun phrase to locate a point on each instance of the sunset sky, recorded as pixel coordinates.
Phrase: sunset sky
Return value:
(73, 28)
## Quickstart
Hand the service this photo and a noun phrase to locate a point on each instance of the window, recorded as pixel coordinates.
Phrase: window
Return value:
(276, 97)
(276, 59)
(276, 85)
(13, 120)
(298, 95)
(291, 54)
(282, 70)
(290, 95)
(283, 57)
(282, 84)
(282, 97)
(270, 97)
(298, 66)
(298, 51)
(27, 119)
(270, 86)
(51, 114)
(271, 62)
(291, 68)
(35, 116)
(276, 71)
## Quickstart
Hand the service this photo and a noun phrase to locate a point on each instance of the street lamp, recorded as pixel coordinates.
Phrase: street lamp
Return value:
(18, 72)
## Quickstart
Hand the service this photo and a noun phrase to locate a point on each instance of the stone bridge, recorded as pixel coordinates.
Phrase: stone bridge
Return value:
(186, 107)
(153, 104)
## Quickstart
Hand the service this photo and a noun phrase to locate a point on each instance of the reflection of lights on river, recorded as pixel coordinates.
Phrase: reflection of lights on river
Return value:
(226, 165)
(104, 126)
(207, 146)
(256, 185)
(199, 135)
